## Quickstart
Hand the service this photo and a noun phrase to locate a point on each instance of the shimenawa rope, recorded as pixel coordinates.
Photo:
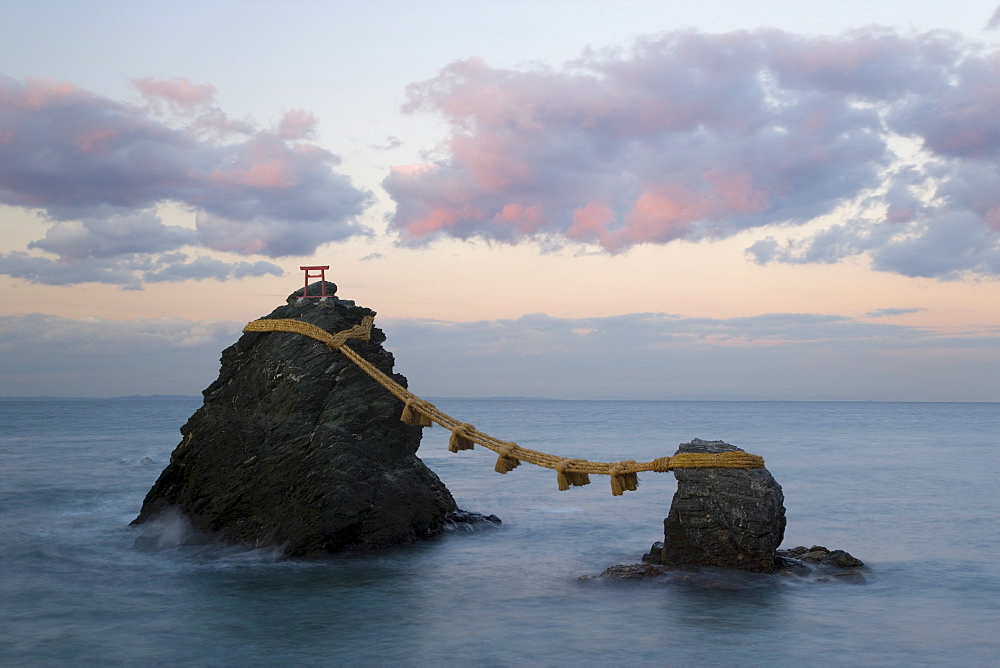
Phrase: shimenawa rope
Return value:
(569, 472)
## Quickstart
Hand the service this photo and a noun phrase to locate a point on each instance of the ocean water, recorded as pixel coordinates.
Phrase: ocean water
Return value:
(910, 488)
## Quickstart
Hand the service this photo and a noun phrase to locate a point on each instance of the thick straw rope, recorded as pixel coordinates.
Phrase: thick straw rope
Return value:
(570, 472)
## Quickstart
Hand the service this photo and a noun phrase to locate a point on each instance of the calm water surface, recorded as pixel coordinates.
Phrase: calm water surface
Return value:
(910, 488)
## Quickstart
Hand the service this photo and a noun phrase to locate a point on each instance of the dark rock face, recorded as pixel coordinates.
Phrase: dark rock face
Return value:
(734, 518)
(297, 448)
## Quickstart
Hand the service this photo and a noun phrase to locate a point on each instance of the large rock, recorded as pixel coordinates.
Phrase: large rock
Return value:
(295, 447)
(733, 518)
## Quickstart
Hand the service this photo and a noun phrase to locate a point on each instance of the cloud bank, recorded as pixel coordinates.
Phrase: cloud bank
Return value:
(773, 356)
(97, 169)
(47, 355)
(633, 356)
(697, 136)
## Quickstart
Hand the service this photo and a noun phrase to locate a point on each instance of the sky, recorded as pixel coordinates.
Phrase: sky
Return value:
(567, 199)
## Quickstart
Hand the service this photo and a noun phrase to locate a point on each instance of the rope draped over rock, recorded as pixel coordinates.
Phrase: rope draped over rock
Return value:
(464, 436)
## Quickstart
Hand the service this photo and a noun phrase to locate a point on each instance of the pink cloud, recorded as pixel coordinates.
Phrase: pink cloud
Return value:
(297, 124)
(95, 140)
(590, 221)
(37, 94)
(434, 221)
(690, 135)
(992, 217)
(179, 93)
(96, 167)
(526, 219)
(662, 216)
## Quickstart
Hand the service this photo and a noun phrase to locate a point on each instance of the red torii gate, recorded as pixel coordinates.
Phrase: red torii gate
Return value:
(321, 275)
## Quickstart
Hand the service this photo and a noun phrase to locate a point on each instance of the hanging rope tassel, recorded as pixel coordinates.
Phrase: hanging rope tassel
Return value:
(412, 413)
(567, 478)
(461, 438)
(507, 462)
(623, 480)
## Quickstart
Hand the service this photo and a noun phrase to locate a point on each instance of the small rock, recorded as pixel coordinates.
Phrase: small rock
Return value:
(470, 521)
(789, 566)
(796, 551)
(632, 571)
(852, 577)
(655, 554)
(841, 559)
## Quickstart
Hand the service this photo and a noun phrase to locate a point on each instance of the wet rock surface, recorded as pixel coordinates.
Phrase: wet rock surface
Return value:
(464, 520)
(821, 564)
(732, 518)
(296, 448)
(804, 564)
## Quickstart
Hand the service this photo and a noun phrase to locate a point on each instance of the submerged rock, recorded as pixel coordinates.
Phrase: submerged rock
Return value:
(632, 571)
(297, 448)
(821, 563)
(734, 518)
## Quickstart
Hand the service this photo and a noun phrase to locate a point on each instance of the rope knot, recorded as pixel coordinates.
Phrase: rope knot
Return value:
(566, 478)
(461, 438)
(337, 341)
(362, 331)
(506, 461)
(366, 328)
(661, 464)
(623, 477)
(417, 412)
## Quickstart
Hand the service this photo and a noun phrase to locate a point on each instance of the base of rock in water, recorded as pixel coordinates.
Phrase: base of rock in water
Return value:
(813, 564)
(468, 521)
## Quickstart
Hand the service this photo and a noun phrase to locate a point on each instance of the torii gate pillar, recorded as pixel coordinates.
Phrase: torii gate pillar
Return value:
(318, 271)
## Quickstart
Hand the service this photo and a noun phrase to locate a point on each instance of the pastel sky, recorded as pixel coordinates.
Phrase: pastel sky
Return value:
(558, 198)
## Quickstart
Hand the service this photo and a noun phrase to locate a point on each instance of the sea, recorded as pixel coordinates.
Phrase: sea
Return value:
(911, 489)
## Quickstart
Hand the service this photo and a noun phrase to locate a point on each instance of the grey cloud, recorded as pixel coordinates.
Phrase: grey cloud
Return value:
(268, 237)
(97, 168)
(630, 356)
(47, 271)
(946, 246)
(50, 355)
(129, 271)
(695, 136)
(111, 235)
(664, 356)
(391, 142)
(884, 312)
(202, 268)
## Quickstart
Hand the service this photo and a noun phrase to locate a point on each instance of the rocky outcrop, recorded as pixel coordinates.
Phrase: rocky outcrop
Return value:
(806, 564)
(297, 448)
(734, 518)
(821, 564)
